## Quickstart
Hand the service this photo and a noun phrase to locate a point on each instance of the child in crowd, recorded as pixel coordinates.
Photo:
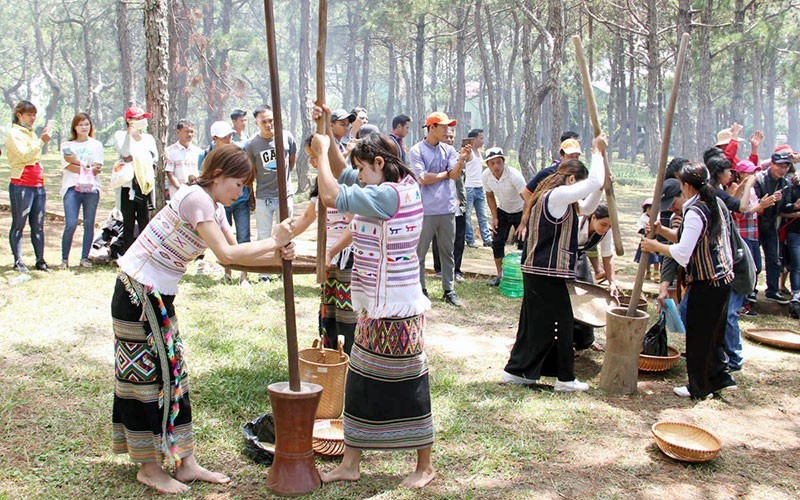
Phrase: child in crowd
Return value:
(655, 259)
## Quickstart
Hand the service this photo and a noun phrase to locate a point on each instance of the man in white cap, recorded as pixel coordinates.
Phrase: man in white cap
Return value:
(505, 191)
(182, 157)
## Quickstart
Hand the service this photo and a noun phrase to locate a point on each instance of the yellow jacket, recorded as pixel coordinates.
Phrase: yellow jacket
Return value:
(22, 148)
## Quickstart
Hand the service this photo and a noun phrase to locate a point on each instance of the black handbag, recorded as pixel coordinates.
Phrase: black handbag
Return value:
(655, 340)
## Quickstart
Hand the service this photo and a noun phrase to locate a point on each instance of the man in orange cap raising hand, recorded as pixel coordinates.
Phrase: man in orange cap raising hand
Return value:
(436, 165)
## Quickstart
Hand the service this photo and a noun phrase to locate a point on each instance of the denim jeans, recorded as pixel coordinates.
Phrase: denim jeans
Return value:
(755, 251)
(27, 203)
(73, 200)
(239, 214)
(477, 198)
(772, 257)
(733, 337)
(793, 246)
(267, 210)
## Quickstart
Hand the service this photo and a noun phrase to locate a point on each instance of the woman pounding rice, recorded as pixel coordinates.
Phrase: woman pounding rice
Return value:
(544, 344)
(387, 395)
(152, 418)
(702, 245)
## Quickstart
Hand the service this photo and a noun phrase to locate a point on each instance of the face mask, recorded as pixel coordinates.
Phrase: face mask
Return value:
(139, 124)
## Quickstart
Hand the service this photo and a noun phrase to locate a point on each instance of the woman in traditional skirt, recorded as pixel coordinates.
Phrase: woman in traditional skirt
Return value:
(336, 311)
(702, 245)
(544, 344)
(387, 395)
(152, 419)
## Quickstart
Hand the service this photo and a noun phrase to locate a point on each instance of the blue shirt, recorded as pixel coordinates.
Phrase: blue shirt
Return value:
(438, 198)
(377, 202)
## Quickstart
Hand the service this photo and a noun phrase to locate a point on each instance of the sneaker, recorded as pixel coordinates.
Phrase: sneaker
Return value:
(785, 291)
(748, 310)
(487, 243)
(64, 265)
(86, 263)
(683, 392)
(494, 281)
(20, 267)
(777, 297)
(451, 297)
(509, 378)
(42, 266)
(472, 244)
(571, 386)
(459, 278)
(734, 368)
(265, 278)
(752, 297)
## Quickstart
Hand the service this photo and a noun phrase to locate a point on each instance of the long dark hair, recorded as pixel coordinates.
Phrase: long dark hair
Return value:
(565, 169)
(373, 145)
(716, 165)
(22, 107)
(76, 120)
(696, 175)
(228, 160)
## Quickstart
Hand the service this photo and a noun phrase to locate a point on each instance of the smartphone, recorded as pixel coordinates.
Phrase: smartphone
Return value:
(466, 142)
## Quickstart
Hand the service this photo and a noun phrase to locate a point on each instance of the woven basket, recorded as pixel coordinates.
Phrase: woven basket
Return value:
(328, 437)
(328, 368)
(686, 442)
(659, 363)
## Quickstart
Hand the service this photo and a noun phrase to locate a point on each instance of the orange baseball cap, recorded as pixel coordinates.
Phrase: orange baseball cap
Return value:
(439, 118)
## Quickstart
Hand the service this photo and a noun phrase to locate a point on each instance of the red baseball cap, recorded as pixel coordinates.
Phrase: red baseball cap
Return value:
(439, 118)
(136, 112)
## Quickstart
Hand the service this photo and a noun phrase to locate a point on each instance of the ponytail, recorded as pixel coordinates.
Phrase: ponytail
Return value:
(696, 175)
(565, 169)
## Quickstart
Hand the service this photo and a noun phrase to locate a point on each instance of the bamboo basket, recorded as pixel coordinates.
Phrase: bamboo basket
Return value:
(328, 368)
(328, 437)
(686, 442)
(659, 363)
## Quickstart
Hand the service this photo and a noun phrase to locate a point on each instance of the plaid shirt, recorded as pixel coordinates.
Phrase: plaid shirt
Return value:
(748, 223)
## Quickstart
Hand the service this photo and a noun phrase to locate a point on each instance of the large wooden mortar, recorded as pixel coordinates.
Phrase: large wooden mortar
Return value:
(624, 336)
(293, 472)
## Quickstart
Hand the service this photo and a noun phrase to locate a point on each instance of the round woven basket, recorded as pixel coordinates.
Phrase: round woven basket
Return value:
(328, 437)
(659, 363)
(328, 368)
(686, 442)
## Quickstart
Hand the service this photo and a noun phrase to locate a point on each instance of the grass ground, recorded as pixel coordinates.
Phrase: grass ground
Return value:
(493, 440)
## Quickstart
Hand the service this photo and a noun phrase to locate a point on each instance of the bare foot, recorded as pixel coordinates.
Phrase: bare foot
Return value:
(190, 470)
(420, 478)
(340, 473)
(153, 476)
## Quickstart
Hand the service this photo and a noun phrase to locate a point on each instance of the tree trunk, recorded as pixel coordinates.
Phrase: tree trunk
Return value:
(45, 55)
(527, 146)
(419, 68)
(498, 83)
(793, 115)
(365, 71)
(462, 13)
(736, 109)
(303, 79)
(124, 46)
(758, 83)
(652, 139)
(488, 80)
(434, 76)
(508, 142)
(684, 142)
(293, 96)
(156, 27)
(88, 57)
(178, 93)
(705, 132)
(622, 102)
(391, 85)
(769, 112)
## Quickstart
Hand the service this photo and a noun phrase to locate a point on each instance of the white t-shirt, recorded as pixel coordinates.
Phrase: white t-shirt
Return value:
(506, 189)
(88, 152)
(474, 170)
(182, 162)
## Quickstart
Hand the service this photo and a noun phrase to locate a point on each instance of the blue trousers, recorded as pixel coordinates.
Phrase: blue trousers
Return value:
(239, 214)
(477, 198)
(733, 337)
(27, 204)
(73, 201)
(772, 258)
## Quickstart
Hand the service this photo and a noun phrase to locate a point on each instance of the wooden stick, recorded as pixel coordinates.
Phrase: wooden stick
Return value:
(662, 168)
(591, 104)
(322, 42)
(288, 281)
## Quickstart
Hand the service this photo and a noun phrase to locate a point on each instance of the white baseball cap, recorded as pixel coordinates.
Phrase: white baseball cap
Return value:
(221, 129)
